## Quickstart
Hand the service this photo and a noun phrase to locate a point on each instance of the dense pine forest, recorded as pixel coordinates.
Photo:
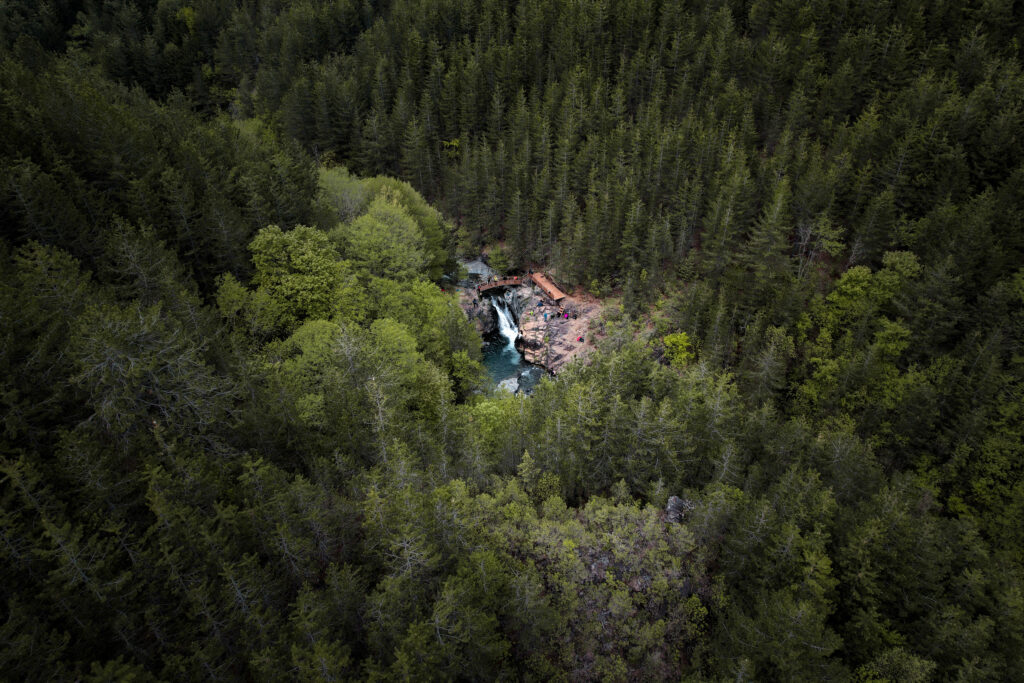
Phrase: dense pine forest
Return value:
(246, 433)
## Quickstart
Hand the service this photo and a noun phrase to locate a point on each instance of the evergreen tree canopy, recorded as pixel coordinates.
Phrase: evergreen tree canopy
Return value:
(245, 431)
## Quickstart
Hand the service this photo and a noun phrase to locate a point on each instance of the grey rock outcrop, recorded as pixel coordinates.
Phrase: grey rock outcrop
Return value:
(483, 316)
(677, 509)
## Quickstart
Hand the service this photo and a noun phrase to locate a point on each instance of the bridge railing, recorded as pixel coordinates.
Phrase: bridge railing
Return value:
(504, 282)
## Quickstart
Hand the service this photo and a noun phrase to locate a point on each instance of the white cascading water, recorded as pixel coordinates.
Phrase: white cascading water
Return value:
(506, 324)
(503, 360)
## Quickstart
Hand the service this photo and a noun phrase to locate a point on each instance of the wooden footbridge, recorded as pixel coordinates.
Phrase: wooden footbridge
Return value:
(539, 279)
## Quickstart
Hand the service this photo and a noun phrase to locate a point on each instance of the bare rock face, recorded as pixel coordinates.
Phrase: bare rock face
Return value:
(483, 316)
(554, 342)
(531, 342)
(677, 509)
(559, 348)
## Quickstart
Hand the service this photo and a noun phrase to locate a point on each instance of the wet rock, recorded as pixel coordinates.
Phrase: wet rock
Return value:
(517, 298)
(529, 378)
(483, 316)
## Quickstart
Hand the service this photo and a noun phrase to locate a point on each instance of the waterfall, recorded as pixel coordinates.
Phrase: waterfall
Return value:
(506, 322)
(502, 359)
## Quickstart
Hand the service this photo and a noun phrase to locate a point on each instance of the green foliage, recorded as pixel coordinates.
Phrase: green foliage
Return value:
(137, 365)
(280, 462)
(498, 260)
(438, 323)
(427, 248)
(101, 153)
(345, 194)
(384, 241)
(301, 275)
(678, 349)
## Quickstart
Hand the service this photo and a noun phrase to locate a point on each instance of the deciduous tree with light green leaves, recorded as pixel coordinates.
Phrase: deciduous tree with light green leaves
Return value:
(385, 241)
(298, 275)
(678, 349)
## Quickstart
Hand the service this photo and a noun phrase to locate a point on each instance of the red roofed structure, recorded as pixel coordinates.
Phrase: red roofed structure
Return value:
(548, 287)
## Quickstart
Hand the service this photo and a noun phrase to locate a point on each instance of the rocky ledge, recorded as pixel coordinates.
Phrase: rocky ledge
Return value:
(555, 340)
(481, 313)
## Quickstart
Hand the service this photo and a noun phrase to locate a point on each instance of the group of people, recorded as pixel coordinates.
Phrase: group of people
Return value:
(497, 278)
